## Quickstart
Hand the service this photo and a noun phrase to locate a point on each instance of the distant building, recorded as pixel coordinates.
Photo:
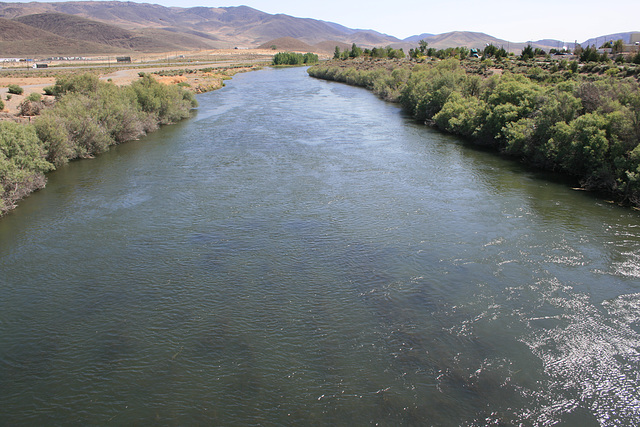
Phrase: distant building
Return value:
(634, 43)
(126, 59)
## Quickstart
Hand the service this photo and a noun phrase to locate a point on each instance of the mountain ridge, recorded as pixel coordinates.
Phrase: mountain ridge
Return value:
(145, 27)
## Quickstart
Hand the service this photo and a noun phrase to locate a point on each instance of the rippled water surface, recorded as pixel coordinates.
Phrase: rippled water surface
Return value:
(299, 252)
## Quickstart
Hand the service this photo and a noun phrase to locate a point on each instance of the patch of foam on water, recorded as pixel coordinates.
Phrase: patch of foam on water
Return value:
(630, 267)
(591, 359)
(565, 253)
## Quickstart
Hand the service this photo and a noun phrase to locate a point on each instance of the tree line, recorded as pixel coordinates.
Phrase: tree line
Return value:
(587, 126)
(87, 117)
(376, 52)
(293, 58)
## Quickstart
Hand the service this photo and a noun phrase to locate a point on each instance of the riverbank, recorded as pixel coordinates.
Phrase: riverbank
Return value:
(84, 114)
(198, 78)
(582, 124)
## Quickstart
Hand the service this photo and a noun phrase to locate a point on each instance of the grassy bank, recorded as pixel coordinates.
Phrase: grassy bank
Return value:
(584, 124)
(87, 117)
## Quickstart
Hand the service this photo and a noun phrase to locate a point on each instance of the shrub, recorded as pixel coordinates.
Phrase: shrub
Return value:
(22, 163)
(83, 83)
(291, 58)
(34, 97)
(87, 118)
(15, 89)
(30, 108)
(168, 104)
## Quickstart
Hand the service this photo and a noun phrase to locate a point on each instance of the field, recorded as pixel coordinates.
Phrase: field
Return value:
(201, 71)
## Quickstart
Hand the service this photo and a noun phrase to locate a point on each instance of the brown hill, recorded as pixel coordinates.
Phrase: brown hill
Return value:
(463, 38)
(75, 27)
(329, 47)
(86, 30)
(476, 40)
(237, 26)
(150, 28)
(287, 44)
(18, 39)
(168, 39)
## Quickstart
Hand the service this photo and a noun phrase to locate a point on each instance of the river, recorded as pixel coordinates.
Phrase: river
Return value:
(301, 253)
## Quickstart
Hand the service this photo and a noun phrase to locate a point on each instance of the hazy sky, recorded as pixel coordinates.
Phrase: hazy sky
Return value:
(512, 20)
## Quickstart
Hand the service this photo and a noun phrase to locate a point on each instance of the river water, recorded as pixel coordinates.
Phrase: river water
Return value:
(301, 253)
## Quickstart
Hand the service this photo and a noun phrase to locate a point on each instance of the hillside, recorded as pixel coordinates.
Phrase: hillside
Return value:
(478, 41)
(238, 26)
(18, 39)
(75, 27)
(599, 41)
(329, 47)
(287, 44)
(416, 39)
(82, 27)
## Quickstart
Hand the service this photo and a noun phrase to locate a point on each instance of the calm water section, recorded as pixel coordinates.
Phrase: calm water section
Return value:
(299, 252)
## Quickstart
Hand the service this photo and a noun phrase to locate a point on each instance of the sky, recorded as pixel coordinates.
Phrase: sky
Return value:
(512, 20)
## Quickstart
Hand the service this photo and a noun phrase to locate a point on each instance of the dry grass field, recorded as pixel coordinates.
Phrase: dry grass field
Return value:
(170, 68)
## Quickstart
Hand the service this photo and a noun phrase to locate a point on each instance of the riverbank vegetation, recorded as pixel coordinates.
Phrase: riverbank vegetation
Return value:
(86, 118)
(293, 58)
(580, 119)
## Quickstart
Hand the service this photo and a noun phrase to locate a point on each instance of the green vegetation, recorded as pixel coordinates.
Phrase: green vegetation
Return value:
(22, 163)
(87, 117)
(581, 121)
(34, 97)
(292, 58)
(377, 52)
(15, 89)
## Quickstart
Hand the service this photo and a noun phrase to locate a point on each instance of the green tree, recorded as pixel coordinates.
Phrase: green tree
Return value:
(527, 53)
(355, 51)
(583, 145)
(489, 51)
(590, 54)
(422, 45)
(461, 115)
(513, 98)
(337, 53)
(618, 46)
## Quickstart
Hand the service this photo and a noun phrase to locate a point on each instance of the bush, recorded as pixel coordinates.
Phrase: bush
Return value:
(34, 97)
(86, 119)
(30, 108)
(291, 58)
(584, 125)
(15, 89)
(22, 163)
(167, 104)
(90, 115)
(83, 83)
